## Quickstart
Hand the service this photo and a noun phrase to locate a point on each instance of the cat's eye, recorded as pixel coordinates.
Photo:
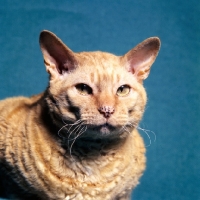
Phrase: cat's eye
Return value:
(84, 89)
(123, 90)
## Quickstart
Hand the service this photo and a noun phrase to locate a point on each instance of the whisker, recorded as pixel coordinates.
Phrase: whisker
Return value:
(147, 131)
(144, 130)
(78, 135)
(132, 124)
(77, 129)
(66, 125)
(61, 130)
(76, 123)
(124, 128)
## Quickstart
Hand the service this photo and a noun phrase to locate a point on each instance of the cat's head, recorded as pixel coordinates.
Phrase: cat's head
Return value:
(97, 91)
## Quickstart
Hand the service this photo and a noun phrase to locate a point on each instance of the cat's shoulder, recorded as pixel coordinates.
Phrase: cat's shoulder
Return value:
(12, 102)
(18, 102)
(21, 99)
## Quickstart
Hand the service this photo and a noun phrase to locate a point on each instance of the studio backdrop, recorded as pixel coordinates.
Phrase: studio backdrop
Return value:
(172, 114)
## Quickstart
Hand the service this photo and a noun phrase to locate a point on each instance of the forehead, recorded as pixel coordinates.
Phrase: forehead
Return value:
(100, 66)
(98, 58)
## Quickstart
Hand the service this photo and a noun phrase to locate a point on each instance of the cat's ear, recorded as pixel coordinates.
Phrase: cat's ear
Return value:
(139, 59)
(58, 58)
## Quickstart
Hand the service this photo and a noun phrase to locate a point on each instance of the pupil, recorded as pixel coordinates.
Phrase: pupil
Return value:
(83, 87)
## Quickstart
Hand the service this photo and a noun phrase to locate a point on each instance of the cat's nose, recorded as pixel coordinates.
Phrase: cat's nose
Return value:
(107, 111)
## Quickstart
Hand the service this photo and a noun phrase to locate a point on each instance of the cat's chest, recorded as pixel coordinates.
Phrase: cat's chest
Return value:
(100, 177)
(92, 180)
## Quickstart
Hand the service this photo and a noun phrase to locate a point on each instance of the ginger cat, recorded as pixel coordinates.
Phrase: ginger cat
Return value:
(79, 139)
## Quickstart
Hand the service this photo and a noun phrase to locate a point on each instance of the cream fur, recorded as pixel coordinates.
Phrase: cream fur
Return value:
(100, 164)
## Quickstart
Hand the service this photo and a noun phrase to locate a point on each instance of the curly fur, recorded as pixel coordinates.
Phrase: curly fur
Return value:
(60, 144)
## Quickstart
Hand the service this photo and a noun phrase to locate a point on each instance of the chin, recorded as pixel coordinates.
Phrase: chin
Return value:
(105, 131)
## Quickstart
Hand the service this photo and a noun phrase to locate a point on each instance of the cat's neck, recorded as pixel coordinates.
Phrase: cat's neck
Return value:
(89, 148)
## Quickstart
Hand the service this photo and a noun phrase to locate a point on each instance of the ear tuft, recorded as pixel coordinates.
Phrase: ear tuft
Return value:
(139, 59)
(58, 58)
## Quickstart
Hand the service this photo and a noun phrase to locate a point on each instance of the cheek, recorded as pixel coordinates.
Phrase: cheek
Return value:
(136, 110)
(131, 107)
(125, 104)
(86, 104)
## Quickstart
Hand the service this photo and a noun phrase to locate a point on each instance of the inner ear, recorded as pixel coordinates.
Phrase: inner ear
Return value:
(57, 56)
(140, 59)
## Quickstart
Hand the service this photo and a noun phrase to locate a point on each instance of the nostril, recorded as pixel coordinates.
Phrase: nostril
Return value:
(107, 114)
(107, 111)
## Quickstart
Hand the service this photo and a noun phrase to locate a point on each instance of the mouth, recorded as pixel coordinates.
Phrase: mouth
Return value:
(104, 129)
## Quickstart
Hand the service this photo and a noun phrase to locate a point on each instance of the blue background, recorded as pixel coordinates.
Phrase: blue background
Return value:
(173, 110)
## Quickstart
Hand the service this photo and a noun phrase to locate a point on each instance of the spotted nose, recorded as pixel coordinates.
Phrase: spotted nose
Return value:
(107, 111)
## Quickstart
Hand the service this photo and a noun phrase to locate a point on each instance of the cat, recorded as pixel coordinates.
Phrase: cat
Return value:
(78, 139)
